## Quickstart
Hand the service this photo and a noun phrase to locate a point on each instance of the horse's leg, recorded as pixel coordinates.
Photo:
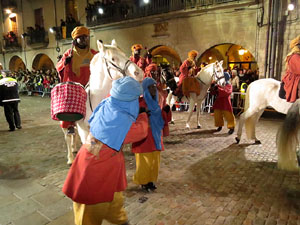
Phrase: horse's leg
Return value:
(170, 101)
(83, 130)
(250, 128)
(199, 103)
(192, 101)
(243, 117)
(69, 143)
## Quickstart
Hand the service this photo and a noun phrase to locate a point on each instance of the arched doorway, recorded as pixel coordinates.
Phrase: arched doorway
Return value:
(165, 54)
(42, 61)
(233, 55)
(16, 64)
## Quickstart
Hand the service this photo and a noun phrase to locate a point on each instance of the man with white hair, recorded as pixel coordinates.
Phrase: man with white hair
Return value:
(9, 99)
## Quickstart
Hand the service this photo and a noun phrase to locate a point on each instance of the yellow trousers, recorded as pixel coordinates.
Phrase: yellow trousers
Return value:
(113, 212)
(219, 121)
(147, 167)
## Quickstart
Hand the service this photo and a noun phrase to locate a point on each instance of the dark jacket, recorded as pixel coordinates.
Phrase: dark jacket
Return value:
(8, 90)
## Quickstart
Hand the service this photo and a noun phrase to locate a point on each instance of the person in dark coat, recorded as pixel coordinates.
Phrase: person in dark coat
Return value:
(9, 99)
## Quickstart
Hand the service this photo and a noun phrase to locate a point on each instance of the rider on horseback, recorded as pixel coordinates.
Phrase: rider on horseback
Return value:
(187, 69)
(138, 59)
(292, 76)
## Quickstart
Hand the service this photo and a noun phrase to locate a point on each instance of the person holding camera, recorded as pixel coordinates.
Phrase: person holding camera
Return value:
(74, 65)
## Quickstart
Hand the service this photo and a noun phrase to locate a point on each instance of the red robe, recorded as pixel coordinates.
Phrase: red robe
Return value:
(292, 77)
(148, 144)
(65, 74)
(223, 100)
(92, 179)
(141, 61)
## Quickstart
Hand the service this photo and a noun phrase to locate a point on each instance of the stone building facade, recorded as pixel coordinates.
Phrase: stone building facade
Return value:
(202, 27)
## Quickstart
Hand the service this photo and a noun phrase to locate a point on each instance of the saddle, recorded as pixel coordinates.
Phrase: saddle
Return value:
(190, 85)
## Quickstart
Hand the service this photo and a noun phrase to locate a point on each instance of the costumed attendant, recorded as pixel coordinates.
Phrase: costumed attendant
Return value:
(292, 76)
(138, 59)
(75, 64)
(188, 68)
(222, 105)
(147, 151)
(97, 177)
(152, 72)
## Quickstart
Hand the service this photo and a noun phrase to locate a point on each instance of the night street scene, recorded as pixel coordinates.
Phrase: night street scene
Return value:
(150, 112)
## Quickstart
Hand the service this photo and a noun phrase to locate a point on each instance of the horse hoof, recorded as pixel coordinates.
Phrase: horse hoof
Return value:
(198, 127)
(172, 122)
(257, 142)
(237, 140)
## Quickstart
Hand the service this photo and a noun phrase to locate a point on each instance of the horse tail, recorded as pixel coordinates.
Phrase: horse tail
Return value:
(250, 121)
(287, 139)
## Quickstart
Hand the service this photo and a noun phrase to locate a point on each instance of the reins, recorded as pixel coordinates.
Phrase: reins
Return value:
(122, 71)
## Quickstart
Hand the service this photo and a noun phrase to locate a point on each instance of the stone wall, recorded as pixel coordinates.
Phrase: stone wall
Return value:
(182, 31)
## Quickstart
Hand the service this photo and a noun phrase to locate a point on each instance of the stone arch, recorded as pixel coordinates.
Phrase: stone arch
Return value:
(42, 61)
(167, 54)
(232, 55)
(16, 64)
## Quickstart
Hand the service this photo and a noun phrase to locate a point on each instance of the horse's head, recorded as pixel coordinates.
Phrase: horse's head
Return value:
(213, 71)
(117, 63)
(167, 77)
(218, 73)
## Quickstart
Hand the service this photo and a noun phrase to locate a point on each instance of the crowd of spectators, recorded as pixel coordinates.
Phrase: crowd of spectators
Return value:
(36, 82)
(36, 35)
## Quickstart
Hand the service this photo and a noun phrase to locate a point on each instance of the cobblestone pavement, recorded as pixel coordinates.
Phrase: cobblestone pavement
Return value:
(205, 178)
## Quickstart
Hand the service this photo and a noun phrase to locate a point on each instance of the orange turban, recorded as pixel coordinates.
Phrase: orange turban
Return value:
(193, 54)
(136, 47)
(79, 31)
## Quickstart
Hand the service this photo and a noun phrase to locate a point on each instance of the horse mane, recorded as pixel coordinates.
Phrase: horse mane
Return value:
(115, 48)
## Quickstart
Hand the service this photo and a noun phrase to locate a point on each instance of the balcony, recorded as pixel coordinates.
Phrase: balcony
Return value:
(120, 11)
(36, 38)
(11, 42)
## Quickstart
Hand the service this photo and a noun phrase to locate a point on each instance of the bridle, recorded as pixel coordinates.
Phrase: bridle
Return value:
(115, 67)
(215, 76)
(108, 62)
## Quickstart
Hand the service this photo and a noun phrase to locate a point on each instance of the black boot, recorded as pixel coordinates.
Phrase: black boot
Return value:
(152, 186)
(231, 131)
(219, 129)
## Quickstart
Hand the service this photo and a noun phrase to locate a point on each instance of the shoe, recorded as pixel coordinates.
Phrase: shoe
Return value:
(219, 129)
(145, 187)
(19, 127)
(11, 129)
(230, 131)
(151, 186)
(71, 130)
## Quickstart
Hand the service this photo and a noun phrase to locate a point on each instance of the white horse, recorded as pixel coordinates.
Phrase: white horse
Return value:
(107, 65)
(213, 71)
(288, 139)
(260, 94)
